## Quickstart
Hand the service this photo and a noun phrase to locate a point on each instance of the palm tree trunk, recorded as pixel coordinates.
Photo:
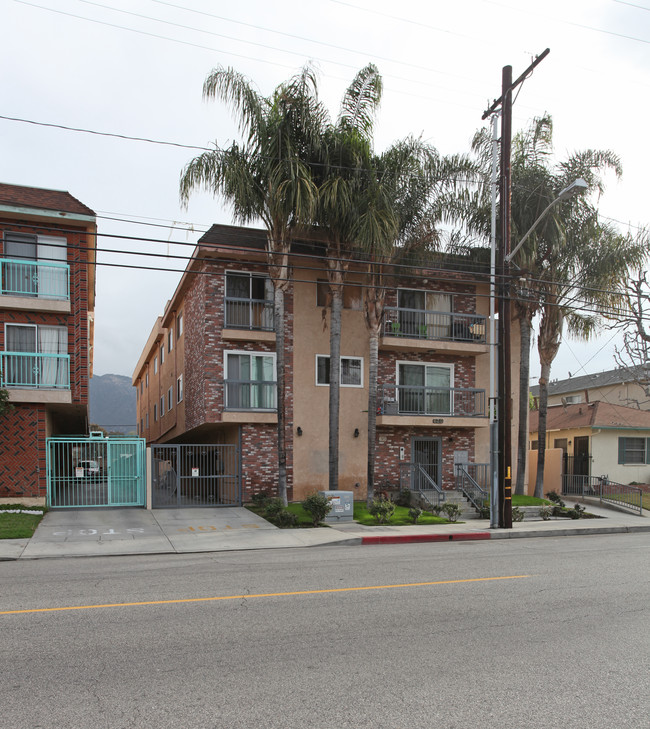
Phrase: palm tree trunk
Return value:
(524, 377)
(335, 382)
(278, 317)
(541, 429)
(373, 368)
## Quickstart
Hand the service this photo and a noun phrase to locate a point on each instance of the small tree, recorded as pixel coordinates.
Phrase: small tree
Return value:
(5, 405)
(318, 506)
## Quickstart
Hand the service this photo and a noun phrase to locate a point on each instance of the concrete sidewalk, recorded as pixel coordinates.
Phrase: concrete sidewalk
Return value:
(94, 532)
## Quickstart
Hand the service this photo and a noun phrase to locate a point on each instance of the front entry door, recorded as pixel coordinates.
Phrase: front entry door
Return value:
(427, 453)
(581, 457)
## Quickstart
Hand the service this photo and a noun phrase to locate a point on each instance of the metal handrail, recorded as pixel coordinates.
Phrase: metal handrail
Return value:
(413, 475)
(606, 491)
(434, 325)
(34, 370)
(37, 279)
(469, 486)
(422, 400)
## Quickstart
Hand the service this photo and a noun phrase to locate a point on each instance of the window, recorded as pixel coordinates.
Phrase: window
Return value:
(162, 355)
(534, 445)
(141, 386)
(36, 356)
(423, 314)
(250, 381)
(425, 389)
(155, 413)
(572, 399)
(147, 380)
(179, 389)
(249, 301)
(155, 365)
(162, 406)
(634, 450)
(141, 428)
(146, 421)
(352, 295)
(170, 398)
(351, 371)
(179, 324)
(170, 340)
(35, 266)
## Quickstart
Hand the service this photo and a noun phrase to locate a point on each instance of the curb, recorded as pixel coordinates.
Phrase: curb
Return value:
(415, 538)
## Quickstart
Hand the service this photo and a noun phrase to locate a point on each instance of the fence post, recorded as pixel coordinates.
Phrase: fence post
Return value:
(148, 471)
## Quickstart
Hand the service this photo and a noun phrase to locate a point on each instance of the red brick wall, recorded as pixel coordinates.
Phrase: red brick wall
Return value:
(390, 439)
(22, 452)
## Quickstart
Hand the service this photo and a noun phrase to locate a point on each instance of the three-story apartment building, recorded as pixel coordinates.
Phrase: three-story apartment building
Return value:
(47, 299)
(207, 373)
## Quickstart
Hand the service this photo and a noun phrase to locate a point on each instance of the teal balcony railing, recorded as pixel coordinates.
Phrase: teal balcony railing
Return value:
(33, 370)
(38, 279)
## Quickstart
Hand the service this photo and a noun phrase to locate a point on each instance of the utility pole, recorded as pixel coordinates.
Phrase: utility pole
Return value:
(504, 410)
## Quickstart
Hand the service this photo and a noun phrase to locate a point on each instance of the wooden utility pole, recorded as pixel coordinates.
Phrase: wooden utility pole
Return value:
(504, 409)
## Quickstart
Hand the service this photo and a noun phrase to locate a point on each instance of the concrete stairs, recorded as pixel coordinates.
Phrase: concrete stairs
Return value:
(452, 496)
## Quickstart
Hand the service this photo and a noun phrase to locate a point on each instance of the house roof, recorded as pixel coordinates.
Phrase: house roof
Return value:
(42, 199)
(598, 379)
(597, 414)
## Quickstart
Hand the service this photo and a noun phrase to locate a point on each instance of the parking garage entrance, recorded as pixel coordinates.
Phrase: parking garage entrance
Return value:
(195, 475)
(96, 471)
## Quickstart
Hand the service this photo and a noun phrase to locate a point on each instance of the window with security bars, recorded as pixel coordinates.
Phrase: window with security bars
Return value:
(633, 451)
(250, 381)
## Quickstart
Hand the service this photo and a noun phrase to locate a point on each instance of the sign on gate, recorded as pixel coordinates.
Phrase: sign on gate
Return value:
(95, 471)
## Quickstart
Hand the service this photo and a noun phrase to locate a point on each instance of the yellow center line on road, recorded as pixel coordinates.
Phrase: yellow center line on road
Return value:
(264, 594)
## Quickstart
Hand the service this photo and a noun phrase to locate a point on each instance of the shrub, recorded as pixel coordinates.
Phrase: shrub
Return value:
(555, 498)
(452, 511)
(260, 499)
(273, 507)
(382, 510)
(517, 514)
(576, 512)
(436, 509)
(545, 512)
(404, 498)
(415, 513)
(484, 510)
(286, 519)
(317, 506)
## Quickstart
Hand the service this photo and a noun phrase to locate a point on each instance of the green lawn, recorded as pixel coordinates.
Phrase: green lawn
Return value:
(400, 517)
(522, 500)
(18, 526)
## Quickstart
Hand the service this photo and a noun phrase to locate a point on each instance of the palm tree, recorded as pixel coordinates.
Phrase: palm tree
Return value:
(584, 280)
(403, 207)
(343, 170)
(266, 177)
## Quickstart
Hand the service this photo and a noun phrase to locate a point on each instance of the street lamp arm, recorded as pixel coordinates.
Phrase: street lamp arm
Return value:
(575, 187)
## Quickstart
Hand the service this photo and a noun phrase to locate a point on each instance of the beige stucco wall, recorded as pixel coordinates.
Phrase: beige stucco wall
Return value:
(604, 445)
(552, 471)
(311, 402)
(628, 394)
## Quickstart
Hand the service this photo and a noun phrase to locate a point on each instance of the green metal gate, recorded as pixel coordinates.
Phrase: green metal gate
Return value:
(95, 471)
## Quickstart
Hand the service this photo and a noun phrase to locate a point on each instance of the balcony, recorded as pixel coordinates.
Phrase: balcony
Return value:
(422, 405)
(415, 329)
(28, 284)
(25, 373)
(250, 401)
(248, 320)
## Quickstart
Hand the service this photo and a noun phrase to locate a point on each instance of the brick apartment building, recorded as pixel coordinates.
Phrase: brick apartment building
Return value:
(207, 372)
(47, 299)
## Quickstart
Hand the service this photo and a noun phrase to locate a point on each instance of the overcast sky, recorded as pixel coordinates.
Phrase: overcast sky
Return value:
(136, 67)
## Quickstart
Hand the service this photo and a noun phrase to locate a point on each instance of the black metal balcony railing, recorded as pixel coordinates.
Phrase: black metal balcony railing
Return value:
(434, 325)
(459, 402)
(249, 314)
(39, 371)
(250, 395)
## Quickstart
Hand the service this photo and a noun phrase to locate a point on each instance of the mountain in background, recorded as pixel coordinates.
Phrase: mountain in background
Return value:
(113, 404)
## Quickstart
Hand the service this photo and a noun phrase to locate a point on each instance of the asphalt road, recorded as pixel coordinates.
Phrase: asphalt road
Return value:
(532, 633)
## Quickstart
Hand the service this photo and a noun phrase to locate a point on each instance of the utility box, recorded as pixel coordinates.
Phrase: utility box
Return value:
(342, 505)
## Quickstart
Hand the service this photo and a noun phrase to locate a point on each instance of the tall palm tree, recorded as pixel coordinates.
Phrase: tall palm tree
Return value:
(267, 177)
(584, 280)
(343, 170)
(403, 207)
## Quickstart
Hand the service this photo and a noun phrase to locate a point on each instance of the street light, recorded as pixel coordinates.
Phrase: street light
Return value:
(576, 187)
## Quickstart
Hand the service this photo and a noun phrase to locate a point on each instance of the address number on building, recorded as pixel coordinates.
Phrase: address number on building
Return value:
(438, 421)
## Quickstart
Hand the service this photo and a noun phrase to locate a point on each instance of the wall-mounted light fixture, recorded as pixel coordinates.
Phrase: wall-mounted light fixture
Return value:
(298, 431)
(356, 432)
